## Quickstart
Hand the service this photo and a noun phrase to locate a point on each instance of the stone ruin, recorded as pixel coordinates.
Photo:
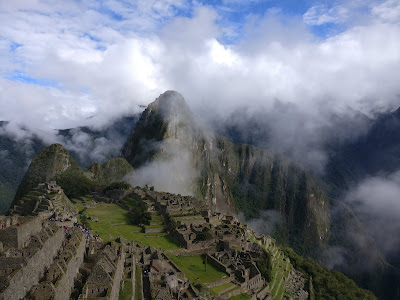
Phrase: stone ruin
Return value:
(226, 236)
(41, 260)
(47, 200)
(162, 279)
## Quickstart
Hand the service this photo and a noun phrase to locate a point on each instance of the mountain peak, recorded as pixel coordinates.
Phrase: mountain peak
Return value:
(168, 117)
(171, 105)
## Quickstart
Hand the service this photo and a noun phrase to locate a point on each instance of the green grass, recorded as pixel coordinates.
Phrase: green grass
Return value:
(138, 285)
(156, 218)
(222, 287)
(108, 214)
(193, 268)
(240, 297)
(281, 291)
(154, 226)
(126, 292)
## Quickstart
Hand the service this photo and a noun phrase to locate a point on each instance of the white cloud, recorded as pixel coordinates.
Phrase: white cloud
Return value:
(107, 66)
(321, 14)
(376, 202)
(387, 11)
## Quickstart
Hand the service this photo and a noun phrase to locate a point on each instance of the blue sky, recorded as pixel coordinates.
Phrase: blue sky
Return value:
(79, 58)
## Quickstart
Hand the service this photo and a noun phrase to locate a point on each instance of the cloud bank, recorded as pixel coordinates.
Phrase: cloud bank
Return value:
(376, 203)
(64, 63)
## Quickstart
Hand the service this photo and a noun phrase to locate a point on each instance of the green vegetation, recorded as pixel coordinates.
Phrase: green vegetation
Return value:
(138, 283)
(204, 235)
(193, 267)
(170, 223)
(265, 266)
(138, 214)
(45, 166)
(222, 287)
(126, 292)
(119, 185)
(75, 183)
(111, 214)
(240, 297)
(327, 284)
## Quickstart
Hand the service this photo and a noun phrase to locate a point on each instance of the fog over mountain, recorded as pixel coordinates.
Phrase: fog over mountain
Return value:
(62, 63)
(312, 80)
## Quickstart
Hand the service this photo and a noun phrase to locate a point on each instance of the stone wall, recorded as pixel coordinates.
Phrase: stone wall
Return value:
(263, 293)
(118, 277)
(25, 278)
(201, 245)
(133, 277)
(65, 283)
(217, 263)
(219, 282)
(235, 293)
(106, 276)
(154, 229)
(27, 229)
(17, 235)
(255, 283)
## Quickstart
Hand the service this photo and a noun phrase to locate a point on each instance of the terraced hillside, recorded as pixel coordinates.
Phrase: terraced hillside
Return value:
(110, 219)
(42, 201)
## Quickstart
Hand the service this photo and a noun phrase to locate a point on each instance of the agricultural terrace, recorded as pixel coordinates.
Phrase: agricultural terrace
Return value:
(113, 222)
(240, 297)
(193, 267)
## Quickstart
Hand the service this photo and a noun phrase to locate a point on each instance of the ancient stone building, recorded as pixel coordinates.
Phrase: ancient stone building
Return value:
(41, 260)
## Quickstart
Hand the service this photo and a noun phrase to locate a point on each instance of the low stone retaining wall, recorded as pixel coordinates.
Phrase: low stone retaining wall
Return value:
(154, 229)
(218, 282)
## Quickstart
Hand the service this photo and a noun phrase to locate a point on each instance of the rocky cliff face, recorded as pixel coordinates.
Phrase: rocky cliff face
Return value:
(260, 180)
(231, 177)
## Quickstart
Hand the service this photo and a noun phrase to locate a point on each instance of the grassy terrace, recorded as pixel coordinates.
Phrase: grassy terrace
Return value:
(109, 214)
(223, 287)
(138, 283)
(156, 218)
(240, 297)
(193, 268)
(278, 273)
(126, 292)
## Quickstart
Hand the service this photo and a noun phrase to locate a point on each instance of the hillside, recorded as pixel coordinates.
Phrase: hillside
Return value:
(15, 156)
(86, 146)
(55, 163)
(286, 274)
(245, 179)
(230, 177)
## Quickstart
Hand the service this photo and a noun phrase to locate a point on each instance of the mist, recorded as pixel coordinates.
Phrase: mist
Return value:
(266, 224)
(306, 137)
(376, 203)
(172, 171)
(99, 67)
(302, 84)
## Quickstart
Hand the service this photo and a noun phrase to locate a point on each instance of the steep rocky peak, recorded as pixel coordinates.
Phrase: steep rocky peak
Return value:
(50, 162)
(170, 102)
(170, 107)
